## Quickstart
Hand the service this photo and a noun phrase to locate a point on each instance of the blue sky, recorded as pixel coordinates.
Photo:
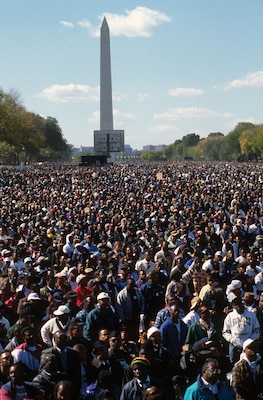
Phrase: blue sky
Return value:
(178, 67)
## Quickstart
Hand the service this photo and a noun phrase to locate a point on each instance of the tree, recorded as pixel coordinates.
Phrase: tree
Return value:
(246, 143)
(215, 134)
(258, 141)
(28, 133)
(213, 147)
(151, 155)
(232, 145)
(190, 140)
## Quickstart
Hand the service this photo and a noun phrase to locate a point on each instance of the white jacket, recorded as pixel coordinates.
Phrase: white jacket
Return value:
(50, 327)
(240, 327)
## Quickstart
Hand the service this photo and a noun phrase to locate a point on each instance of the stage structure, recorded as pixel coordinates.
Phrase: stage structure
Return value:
(106, 140)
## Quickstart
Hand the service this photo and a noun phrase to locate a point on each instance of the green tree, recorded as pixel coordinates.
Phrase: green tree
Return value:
(215, 134)
(190, 140)
(151, 155)
(258, 141)
(232, 145)
(213, 148)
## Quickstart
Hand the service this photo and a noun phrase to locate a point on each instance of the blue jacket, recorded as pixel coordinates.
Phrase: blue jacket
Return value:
(170, 338)
(198, 391)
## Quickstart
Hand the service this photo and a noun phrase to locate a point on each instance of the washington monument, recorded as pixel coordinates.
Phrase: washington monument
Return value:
(106, 140)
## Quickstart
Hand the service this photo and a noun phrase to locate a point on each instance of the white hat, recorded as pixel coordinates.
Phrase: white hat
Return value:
(80, 277)
(103, 295)
(235, 284)
(4, 252)
(71, 269)
(6, 259)
(27, 259)
(219, 253)
(33, 296)
(151, 331)
(207, 265)
(247, 343)
(60, 274)
(62, 310)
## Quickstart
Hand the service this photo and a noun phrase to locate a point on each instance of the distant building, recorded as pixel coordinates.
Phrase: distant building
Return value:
(90, 149)
(86, 149)
(127, 149)
(158, 147)
(82, 149)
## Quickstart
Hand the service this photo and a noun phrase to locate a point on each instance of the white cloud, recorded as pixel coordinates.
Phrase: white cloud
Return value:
(67, 24)
(139, 22)
(232, 124)
(186, 92)
(118, 117)
(93, 31)
(118, 96)
(95, 117)
(162, 128)
(71, 93)
(142, 96)
(84, 23)
(253, 79)
(175, 114)
(74, 93)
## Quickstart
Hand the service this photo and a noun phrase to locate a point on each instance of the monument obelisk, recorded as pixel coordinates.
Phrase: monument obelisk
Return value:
(107, 140)
(106, 116)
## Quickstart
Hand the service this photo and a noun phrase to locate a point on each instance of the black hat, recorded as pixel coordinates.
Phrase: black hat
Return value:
(98, 345)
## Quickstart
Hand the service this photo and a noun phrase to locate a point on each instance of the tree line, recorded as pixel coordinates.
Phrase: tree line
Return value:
(28, 137)
(243, 143)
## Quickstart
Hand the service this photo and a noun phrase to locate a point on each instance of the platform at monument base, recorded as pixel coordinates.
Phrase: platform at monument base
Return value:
(95, 160)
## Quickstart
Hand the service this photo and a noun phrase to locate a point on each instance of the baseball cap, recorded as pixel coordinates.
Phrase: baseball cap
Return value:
(103, 295)
(33, 296)
(249, 343)
(151, 331)
(62, 310)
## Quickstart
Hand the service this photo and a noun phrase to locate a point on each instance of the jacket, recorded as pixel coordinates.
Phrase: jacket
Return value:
(198, 391)
(170, 338)
(124, 304)
(240, 327)
(8, 391)
(132, 390)
(243, 383)
(73, 364)
(98, 319)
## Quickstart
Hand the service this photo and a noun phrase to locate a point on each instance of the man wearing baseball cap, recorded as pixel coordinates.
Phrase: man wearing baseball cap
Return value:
(239, 325)
(60, 322)
(103, 316)
(247, 374)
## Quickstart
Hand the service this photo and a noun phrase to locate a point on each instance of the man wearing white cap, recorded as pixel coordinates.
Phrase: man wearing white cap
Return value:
(60, 322)
(233, 290)
(247, 374)
(103, 316)
(239, 325)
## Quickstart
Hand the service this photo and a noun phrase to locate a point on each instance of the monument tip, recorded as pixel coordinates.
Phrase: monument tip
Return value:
(104, 22)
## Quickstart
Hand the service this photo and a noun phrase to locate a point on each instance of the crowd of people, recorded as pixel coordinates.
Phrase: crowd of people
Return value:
(132, 282)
